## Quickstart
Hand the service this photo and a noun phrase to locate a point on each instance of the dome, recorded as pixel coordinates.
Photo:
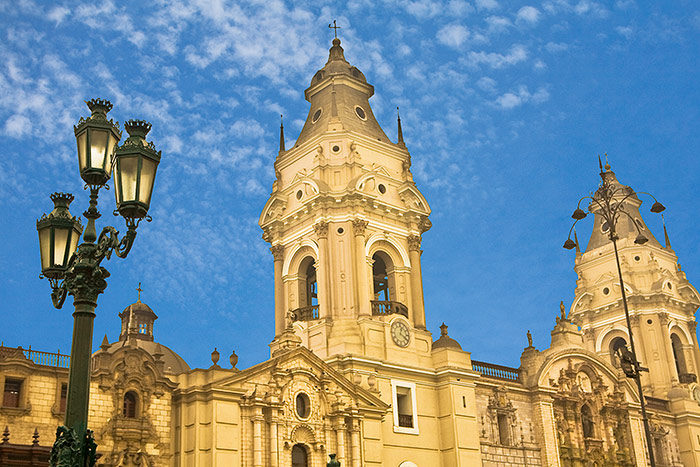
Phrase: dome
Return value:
(445, 341)
(173, 363)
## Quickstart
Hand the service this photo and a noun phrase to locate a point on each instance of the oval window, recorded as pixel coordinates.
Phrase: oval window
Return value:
(604, 227)
(360, 112)
(382, 188)
(317, 115)
(299, 194)
(303, 405)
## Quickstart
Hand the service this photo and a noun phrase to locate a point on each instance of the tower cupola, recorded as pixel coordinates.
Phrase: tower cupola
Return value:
(137, 321)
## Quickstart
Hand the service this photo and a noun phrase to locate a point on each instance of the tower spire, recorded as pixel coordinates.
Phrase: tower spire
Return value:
(400, 132)
(282, 133)
(668, 241)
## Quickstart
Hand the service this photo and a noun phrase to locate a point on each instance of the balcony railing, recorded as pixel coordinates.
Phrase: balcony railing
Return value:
(306, 313)
(380, 308)
(38, 357)
(491, 370)
(406, 421)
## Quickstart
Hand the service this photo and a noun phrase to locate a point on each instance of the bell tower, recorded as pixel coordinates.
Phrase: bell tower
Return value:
(345, 221)
(661, 301)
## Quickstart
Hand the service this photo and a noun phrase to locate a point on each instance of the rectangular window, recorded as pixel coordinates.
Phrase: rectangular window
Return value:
(13, 390)
(63, 397)
(404, 407)
(503, 429)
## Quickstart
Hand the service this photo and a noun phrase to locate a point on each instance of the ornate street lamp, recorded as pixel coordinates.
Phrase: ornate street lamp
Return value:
(75, 270)
(609, 203)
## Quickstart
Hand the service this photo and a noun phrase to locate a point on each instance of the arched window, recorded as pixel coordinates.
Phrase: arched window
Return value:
(381, 278)
(300, 457)
(678, 354)
(308, 285)
(130, 401)
(587, 422)
(616, 344)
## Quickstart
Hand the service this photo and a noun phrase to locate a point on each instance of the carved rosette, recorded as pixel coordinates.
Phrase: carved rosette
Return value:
(359, 226)
(321, 229)
(277, 252)
(414, 242)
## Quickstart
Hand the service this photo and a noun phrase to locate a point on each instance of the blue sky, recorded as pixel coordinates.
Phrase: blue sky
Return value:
(504, 105)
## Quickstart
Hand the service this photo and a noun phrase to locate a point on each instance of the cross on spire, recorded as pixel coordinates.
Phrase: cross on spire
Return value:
(139, 291)
(335, 28)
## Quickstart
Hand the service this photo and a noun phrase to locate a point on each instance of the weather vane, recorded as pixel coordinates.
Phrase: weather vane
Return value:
(335, 28)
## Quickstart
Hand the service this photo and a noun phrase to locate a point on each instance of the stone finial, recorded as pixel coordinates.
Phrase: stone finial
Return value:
(35, 437)
(105, 344)
(215, 358)
(233, 359)
(6, 435)
(443, 329)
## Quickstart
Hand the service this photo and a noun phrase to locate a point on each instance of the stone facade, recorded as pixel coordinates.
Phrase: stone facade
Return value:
(353, 370)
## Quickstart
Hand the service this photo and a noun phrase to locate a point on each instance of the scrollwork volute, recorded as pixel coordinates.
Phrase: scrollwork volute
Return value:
(277, 252)
(359, 226)
(321, 229)
(414, 242)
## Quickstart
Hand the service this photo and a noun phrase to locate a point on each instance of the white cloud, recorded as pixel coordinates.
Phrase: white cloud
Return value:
(517, 54)
(453, 35)
(554, 47)
(459, 8)
(18, 126)
(625, 31)
(514, 99)
(498, 24)
(528, 15)
(58, 14)
(423, 8)
(486, 4)
(487, 84)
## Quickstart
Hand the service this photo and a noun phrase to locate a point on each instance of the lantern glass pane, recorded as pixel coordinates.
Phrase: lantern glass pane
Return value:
(110, 151)
(148, 174)
(117, 184)
(74, 239)
(128, 169)
(98, 148)
(81, 151)
(44, 246)
(60, 236)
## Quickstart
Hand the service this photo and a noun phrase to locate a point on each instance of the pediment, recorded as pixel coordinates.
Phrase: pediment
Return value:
(301, 367)
(604, 278)
(274, 208)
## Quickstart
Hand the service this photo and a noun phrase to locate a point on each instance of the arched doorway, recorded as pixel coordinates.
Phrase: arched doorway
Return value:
(300, 457)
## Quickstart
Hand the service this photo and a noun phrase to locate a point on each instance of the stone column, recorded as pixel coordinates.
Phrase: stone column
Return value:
(274, 446)
(322, 267)
(363, 274)
(668, 348)
(278, 255)
(416, 282)
(257, 438)
(547, 430)
(340, 437)
(355, 442)
(640, 349)
(692, 326)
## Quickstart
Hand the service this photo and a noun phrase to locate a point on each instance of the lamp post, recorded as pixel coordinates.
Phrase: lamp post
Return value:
(75, 270)
(609, 203)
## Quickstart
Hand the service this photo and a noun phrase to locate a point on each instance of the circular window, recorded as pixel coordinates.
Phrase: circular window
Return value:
(640, 224)
(381, 188)
(299, 194)
(303, 405)
(335, 148)
(606, 291)
(637, 258)
(649, 321)
(341, 230)
(360, 112)
(317, 115)
(604, 227)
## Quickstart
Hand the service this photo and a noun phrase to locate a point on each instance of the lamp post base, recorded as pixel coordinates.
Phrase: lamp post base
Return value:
(69, 450)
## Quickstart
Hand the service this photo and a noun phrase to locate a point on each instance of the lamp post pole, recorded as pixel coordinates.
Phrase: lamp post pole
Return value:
(75, 270)
(609, 202)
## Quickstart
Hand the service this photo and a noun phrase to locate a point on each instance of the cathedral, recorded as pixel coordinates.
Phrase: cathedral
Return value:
(353, 371)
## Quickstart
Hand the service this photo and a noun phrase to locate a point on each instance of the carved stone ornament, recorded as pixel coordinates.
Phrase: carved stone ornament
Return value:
(424, 225)
(692, 325)
(321, 229)
(414, 242)
(634, 320)
(277, 252)
(663, 318)
(359, 226)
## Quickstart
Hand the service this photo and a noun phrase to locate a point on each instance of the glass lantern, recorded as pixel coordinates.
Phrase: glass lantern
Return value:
(97, 138)
(135, 165)
(59, 234)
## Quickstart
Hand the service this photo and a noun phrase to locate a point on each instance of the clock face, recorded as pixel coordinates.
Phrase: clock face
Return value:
(696, 394)
(400, 333)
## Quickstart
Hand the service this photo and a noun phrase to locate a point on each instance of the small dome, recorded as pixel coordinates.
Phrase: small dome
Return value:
(173, 363)
(445, 340)
(137, 321)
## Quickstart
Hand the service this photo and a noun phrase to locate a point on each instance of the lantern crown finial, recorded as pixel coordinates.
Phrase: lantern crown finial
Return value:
(137, 128)
(61, 200)
(99, 107)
